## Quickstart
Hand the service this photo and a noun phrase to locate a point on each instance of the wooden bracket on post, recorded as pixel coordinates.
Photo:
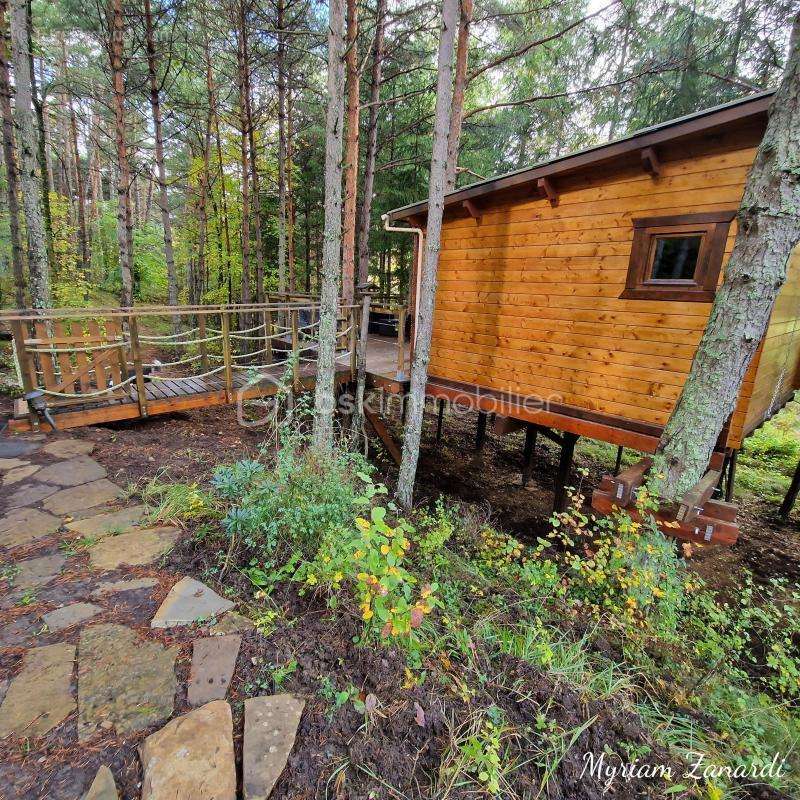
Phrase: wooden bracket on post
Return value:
(473, 210)
(691, 505)
(650, 162)
(546, 189)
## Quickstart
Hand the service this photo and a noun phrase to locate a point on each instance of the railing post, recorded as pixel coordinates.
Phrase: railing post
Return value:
(361, 367)
(27, 367)
(401, 343)
(226, 354)
(353, 342)
(201, 325)
(295, 350)
(136, 355)
(268, 335)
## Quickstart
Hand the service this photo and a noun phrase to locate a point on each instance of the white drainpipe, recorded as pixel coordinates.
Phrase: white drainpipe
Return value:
(420, 235)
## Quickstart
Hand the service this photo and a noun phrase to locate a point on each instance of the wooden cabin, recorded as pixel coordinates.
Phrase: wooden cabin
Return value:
(574, 293)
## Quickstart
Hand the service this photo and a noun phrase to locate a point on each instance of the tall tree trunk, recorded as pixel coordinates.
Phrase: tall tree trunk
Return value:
(372, 143)
(282, 149)
(9, 156)
(768, 231)
(623, 60)
(331, 256)
(38, 106)
(95, 174)
(351, 155)
(424, 322)
(736, 40)
(251, 143)
(83, 239)
(28, 140)
(212, 106)
(163, 197)
(245, 162)
(459, 87)
(124, 219)
(290, 205)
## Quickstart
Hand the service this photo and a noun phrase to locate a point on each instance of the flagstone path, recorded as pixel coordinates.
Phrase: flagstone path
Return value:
(96, 639)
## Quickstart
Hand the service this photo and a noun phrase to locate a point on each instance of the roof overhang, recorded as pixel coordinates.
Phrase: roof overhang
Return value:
(707, 121)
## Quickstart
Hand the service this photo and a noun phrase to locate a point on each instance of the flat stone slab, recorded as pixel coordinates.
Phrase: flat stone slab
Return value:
(103, 786)
(39, 698)
(72, 471)
(25, 525)
(79, 498)
(116, 587)
(213, 663)
(34, 572)
(270, 726)
(19, 474)
(13, 448)
(232, 622)
(191, 758)
(136, 548)
(124, 683)
(67, 448)
(189, 601)
(102, 524)
(12, 463)
(67, 616)
(30, 494)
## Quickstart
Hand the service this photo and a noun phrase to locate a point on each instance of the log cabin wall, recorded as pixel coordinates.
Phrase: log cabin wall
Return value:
(776, 367)
(528, 299)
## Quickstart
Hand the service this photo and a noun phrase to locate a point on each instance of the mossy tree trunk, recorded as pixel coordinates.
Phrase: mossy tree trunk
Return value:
(768, 231)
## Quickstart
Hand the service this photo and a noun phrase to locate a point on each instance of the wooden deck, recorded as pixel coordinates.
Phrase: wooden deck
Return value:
(100, 368)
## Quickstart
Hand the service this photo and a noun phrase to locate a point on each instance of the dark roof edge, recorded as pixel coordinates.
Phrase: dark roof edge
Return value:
(742, 108)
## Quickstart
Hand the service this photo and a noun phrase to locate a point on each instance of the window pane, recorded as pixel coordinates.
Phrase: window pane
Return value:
(675, 257)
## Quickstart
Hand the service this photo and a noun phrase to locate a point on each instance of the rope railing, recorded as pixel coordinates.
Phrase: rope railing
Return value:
(73, 359)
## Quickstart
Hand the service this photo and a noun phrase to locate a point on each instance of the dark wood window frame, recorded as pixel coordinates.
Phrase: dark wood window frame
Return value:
(712, 226)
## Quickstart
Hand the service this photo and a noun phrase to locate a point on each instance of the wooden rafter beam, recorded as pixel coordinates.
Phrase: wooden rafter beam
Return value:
(650, 162)
(473, 210)
(548, 190)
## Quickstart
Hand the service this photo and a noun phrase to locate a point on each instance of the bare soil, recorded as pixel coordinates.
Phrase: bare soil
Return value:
(339, 755)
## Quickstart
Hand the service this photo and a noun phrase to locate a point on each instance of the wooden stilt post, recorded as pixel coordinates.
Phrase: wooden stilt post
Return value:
(618, 463)
(136, 355)
(439, 419)
(480, 435)
(729, 486)
(527, 454)
(791, 495)
(564, 466)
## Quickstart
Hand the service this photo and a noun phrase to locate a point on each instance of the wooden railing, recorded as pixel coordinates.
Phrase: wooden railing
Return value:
(80, 355)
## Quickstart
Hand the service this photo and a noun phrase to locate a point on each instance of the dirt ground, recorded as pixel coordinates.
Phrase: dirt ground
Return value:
(186, 447)
(335, 755)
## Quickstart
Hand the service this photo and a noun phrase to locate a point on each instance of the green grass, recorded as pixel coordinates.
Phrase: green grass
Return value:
(769, 457)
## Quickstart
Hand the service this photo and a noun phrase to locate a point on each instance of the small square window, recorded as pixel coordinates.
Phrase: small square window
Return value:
(677, 258)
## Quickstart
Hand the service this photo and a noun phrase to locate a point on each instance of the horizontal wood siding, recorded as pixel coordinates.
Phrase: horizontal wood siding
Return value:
(528, 294)
(777, 372)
